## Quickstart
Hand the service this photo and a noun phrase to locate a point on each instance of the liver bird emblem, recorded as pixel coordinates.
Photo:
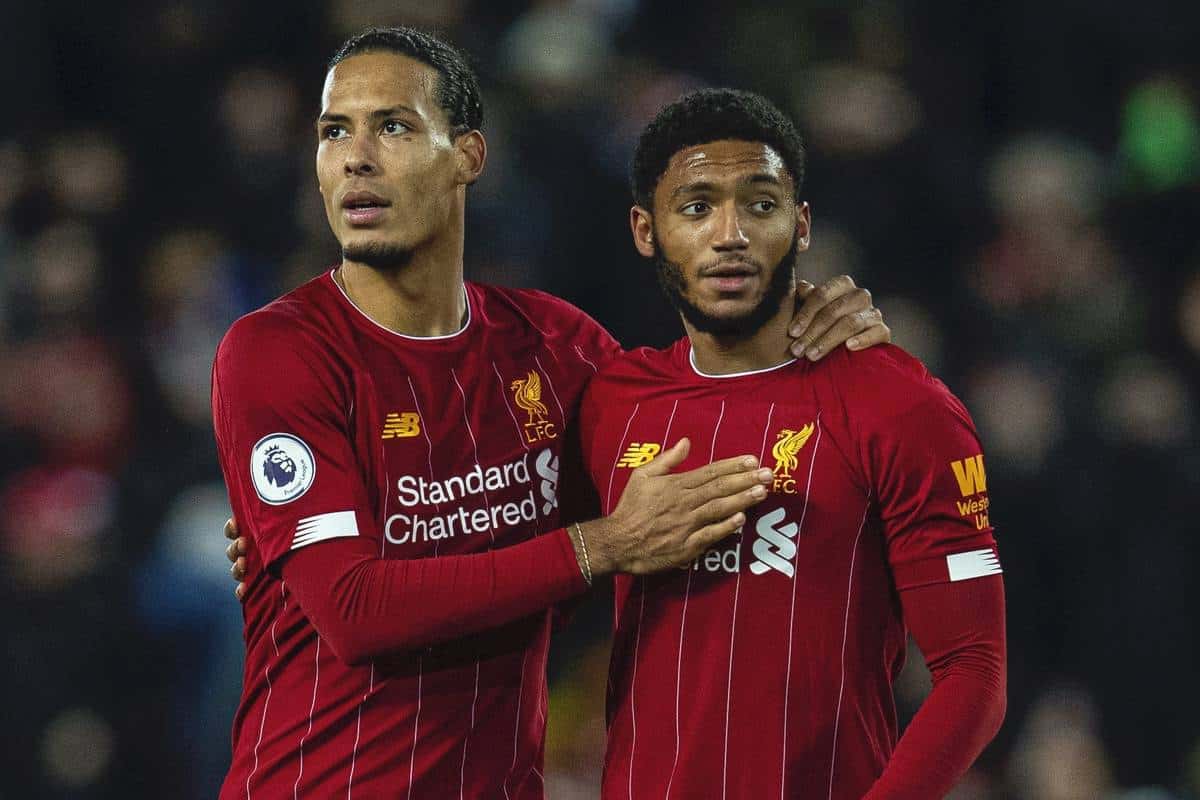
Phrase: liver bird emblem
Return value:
(527, 392)
(790, 443)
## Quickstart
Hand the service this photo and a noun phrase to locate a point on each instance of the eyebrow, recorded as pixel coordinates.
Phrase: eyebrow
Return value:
(376, 114)
(699, 187)
(696, 187)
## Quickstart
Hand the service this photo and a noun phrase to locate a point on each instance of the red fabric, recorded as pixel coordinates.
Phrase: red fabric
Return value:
(363, 605)
(766, 670)
(960, 629)
(397, 482)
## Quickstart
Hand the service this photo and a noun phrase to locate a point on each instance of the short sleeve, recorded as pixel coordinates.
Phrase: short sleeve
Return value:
(927, 471)
(281, 422)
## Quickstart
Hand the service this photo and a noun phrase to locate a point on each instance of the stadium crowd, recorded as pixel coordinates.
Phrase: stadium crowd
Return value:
(1019, 185)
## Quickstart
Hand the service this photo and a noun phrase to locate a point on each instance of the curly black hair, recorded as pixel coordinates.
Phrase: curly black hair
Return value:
(457, 87)
(708, 115)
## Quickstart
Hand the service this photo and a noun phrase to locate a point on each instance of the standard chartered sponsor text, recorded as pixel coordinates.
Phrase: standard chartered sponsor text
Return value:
(486, 491)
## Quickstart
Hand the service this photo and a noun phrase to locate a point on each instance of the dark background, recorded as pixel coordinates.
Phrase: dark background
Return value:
(1017, 183)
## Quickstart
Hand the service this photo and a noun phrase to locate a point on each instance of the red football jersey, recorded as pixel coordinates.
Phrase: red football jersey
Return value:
(765, 670)
(328, 426)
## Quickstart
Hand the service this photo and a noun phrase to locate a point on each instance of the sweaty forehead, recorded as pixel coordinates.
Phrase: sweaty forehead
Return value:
(731, 156)
(378, 79)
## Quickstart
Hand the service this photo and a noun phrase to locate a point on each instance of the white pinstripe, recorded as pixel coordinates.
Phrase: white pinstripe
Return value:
(358, 731)
(492, 534)
(462, 770)
(412, 757)
(550, 382)
(792, 614)
(608, 505)
(737, 586)
(311, 708)
(262, 725)
(504, 395)
(637, 640)
(845, 631)
(517, 728)
(687, 591)
(586, 360)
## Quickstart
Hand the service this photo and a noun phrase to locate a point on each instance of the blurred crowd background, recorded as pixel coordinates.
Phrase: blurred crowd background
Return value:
(1018, 183)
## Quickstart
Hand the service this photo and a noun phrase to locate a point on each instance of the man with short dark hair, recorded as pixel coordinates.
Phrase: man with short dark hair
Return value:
(393, 440)
(765, 670)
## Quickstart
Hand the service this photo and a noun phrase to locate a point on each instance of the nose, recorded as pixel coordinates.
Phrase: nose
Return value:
(361, 157)
(729, 234)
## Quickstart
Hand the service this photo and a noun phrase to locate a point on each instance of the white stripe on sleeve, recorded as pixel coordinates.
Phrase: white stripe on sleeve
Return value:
(333, 525)
(973, 564)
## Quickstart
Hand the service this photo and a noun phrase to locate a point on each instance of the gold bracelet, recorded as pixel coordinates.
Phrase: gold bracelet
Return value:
(587, 564)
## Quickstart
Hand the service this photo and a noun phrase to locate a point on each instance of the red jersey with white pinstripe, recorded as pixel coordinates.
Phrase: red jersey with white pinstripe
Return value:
(766, 669)
(427, 446)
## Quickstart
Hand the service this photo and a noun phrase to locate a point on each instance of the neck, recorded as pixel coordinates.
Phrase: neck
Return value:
(424, 297)
(718, 354)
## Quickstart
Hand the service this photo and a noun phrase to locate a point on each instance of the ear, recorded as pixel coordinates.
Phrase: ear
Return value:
(641, 223)
(803, 226)
(471, 153)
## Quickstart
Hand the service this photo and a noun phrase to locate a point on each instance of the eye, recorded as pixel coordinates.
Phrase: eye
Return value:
(333, 132)
(395, 126)
(763, 206)
(694, 208)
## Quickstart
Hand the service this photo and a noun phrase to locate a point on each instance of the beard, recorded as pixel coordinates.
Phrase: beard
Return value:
(672, 281)
(378, 255)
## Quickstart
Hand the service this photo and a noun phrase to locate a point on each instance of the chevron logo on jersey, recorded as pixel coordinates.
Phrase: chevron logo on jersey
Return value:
(775, 544)
(788, 443)
(527, 394)
(639, 453)
(401, 426)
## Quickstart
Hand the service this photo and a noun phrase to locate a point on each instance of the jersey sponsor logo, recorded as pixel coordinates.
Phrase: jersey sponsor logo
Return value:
(282, 468)
(788, 444)
(527, 394)
(973, 564)
(775, 544)
(546, 466)
(638, 454)
(970, 474)
(971, 477)
(480, 500)
(401, 426)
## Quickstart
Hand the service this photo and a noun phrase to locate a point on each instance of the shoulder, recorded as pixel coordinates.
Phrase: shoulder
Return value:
(285, 336)
(644, 366)
(883, 381)
(553, 318)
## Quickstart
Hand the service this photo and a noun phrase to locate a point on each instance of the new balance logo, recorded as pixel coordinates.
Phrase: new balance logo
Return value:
(401, 426)
(639, 453)
(971, 477)
(775, 546)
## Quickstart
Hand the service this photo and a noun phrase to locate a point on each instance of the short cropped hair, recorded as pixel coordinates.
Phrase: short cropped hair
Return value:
(457, 88)
(708, 115)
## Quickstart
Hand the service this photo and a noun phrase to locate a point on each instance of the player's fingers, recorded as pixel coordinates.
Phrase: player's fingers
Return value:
(876, 334)
(726, 466)
(850, 303)
(238, 569)
(231, 552)
(231, 530)
(704, 539)
(668, 459)
(728, 486)
(239, 592)
(816, 298)
(722, 507)
(842, 330)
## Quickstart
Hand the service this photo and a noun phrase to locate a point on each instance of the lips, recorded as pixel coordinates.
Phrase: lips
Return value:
(363, 208)
(730, 276)
(363, 199)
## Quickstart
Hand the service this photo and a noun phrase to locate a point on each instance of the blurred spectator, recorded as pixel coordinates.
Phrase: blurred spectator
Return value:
(1019, 185)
